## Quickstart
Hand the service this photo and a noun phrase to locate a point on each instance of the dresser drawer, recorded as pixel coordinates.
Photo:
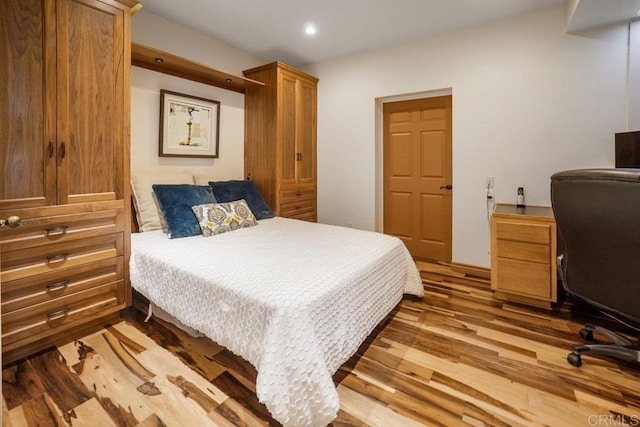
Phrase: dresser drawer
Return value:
(289, 210)
(23, 263)
(40, 231)
(523, 232)
(524, 278)
(21, 293)
(308, 216)
(294, 194)
(524, 251)
(47, 318)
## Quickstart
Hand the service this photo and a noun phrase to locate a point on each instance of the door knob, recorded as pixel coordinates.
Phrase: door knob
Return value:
(446, 187)
(12, 222)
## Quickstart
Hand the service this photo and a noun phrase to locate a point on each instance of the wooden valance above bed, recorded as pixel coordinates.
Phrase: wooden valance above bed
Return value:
(167, 63)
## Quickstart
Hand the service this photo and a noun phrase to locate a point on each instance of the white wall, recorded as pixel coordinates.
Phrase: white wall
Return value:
(528, 100)
(157, 32)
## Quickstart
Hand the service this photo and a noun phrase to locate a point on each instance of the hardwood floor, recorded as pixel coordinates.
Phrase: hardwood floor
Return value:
(456, 357)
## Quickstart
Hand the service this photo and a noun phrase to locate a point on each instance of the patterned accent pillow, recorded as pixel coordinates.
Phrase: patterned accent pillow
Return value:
(216, 218)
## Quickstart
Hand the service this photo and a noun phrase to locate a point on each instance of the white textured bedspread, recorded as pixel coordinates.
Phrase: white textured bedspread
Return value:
(293, 298)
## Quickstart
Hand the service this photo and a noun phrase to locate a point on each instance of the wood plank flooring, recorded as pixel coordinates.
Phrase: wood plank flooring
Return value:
(456, 357)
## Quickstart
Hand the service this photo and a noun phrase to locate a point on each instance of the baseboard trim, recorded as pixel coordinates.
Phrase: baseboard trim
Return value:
(471, 270)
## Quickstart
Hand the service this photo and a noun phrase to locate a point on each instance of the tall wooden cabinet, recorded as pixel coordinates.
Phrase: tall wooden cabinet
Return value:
(64, 160)
(280, 138)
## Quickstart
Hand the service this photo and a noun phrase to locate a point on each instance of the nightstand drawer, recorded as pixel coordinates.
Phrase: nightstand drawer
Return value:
(23, 263)
(523, 232)
(40, 231)
(523, 251)
(524, 278)
(21, 293)
(49, 317)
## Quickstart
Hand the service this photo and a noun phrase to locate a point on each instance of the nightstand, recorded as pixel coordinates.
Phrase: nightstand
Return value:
(523, 255)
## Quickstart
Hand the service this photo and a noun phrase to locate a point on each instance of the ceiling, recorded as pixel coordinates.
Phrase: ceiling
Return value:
(593, 13)
(274, 29)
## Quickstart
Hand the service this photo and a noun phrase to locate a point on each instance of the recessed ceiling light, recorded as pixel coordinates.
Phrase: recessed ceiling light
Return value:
(310, 29)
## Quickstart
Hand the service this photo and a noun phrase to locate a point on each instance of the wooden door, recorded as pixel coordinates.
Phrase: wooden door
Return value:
(306, 140)
(417, 175)
(287, 128)
(27, 104)
(90, 38)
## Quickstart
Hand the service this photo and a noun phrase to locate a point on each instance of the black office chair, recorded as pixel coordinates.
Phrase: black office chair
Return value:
(597, 212)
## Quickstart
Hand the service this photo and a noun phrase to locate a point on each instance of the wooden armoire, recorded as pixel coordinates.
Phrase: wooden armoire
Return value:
(64, 160)
(280, 139)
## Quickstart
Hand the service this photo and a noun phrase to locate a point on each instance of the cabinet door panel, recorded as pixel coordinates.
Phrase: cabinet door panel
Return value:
(90, 101)
(288, 129)
(307, 133)
(27, 103)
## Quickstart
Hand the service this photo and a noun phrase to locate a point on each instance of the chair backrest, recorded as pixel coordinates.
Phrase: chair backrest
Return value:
(597, 212)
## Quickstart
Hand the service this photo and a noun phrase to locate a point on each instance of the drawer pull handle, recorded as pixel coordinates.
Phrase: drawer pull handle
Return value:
(57, 257)
(58, 314)
(298, 194)
(56, 230)
(298, 207)
(57, 285)
(12, 222)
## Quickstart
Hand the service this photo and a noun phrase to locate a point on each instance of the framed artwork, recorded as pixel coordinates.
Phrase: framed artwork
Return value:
(189, 126)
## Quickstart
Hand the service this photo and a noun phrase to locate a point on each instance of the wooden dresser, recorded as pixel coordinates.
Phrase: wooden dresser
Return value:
(523, 254)
(280, 139)
(64, 162)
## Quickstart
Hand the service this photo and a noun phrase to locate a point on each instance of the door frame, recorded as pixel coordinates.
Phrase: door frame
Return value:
(379, 148)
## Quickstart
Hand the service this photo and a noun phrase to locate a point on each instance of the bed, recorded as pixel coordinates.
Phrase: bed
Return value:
(295, 299)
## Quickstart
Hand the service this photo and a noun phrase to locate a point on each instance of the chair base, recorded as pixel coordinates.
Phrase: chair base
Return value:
(621, 348)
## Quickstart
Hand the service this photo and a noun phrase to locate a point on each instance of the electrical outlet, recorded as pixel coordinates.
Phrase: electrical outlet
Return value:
(489, 186)
(350, 224)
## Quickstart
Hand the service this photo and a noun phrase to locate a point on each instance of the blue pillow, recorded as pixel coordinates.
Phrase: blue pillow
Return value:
(230, 191)
(176, 200)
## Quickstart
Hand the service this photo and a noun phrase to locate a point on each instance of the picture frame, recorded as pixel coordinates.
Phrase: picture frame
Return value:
(189, 126)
